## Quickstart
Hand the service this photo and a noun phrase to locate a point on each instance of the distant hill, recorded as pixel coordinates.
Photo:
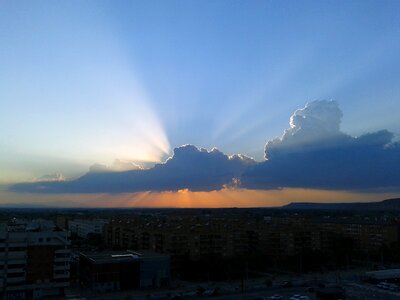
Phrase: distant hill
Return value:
(389, 204)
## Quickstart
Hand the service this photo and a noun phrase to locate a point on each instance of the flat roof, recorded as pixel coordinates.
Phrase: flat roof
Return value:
(117, 256)
(384, 274)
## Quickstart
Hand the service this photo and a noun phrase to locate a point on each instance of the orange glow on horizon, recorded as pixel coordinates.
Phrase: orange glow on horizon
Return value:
(188, 199)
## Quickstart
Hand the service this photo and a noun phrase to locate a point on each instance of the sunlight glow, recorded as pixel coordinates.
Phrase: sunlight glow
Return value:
(187, 199)
(82, 97)
(130, 125)
(276, 79)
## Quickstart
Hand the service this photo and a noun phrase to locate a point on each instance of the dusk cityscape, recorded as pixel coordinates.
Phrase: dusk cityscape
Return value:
(173, 150)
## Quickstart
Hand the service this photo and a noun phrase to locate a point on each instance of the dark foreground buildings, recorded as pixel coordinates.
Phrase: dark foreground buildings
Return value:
(300, 242)
(34, 260)
(123, 270)
(35, 256)
(194, 237)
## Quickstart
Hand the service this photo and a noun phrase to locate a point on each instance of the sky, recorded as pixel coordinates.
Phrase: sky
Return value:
(95, 92)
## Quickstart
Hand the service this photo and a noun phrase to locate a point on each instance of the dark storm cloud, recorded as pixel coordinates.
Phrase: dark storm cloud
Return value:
(188, 168)
(312, 153)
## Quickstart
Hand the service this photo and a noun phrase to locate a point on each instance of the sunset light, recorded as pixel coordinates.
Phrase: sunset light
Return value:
(181, 150)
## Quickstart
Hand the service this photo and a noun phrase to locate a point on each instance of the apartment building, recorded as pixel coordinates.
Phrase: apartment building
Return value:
(34, 260)
(186, 237)
(194, 237)
(83, 228)
(368, 235)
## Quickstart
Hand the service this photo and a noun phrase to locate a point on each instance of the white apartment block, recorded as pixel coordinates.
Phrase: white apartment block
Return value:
(34, 260)
(83, 228)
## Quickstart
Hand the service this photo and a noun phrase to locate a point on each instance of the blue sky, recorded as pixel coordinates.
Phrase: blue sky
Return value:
(84, 82)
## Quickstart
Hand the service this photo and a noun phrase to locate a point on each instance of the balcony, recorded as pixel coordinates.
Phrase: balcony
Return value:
(18, 244)
(16, 279)
(16, 254)
(62, 259)
(59, 284)
(16, 261)
(64, 275)
(15, 270)
(63, 251)
(61, 267)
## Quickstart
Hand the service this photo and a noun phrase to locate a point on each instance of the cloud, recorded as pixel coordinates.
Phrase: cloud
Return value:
(314, 153)
(310, 127)
(117, 166)
(51, 177)
(189, 168)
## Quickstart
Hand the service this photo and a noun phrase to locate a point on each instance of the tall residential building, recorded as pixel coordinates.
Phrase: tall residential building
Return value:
(34, 260)
(83, 228)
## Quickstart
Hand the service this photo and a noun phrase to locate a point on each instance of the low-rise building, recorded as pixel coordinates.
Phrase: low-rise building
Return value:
(123, 270)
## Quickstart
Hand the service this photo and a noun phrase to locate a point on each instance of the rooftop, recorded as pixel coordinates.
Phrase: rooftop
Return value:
(118, 256)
